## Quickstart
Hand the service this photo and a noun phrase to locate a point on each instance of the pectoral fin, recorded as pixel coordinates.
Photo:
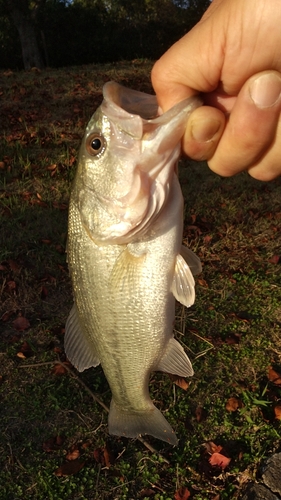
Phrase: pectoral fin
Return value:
(126, 272)
(175, 360)
(79, 350)
(192, 260)
(183, 283)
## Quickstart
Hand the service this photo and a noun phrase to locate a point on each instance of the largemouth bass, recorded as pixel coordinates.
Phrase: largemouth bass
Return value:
(125, 257)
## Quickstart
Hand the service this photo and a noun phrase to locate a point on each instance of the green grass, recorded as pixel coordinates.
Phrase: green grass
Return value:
(232, 333)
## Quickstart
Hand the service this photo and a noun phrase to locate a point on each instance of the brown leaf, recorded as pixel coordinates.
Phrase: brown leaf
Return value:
(219, 460)
(212, 447)
(10, 287)
(147, 492)
(25, 351)
(274, 259)
(14, 266)
(6, 315)
(21, 323)
(60, 369)
(207, 238)
(277, 411)
(179, 381)
(73, 454)
(53, 444)
(233, 404)
(44, 292)
(274, 376)
(202, 282)
(69, 468)
(182, 494)
(99, 456)
(108, 456)
(200, 413)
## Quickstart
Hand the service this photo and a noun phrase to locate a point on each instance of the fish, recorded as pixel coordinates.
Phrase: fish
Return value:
(125, 255)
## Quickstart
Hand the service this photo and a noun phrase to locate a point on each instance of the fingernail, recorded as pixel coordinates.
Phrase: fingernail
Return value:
(204, 130)
(265, 90)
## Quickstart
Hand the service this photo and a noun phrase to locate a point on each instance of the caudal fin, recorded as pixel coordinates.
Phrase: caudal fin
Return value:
(131, 424)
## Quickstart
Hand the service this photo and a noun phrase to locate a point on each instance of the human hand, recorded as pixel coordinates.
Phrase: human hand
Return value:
(233, 57)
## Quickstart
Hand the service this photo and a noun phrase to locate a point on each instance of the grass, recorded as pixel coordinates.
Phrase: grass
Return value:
(232, 333)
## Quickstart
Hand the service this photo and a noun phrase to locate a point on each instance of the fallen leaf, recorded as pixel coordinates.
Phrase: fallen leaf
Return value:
(69, 468)
(6, 315)
(179, 381)
(21, 323)
(211, 447)
(182, 493)
(147, 492)
(99, 456)
(219, 460)
(207, 238)
(274, 376)
(25, 351)
(73, 454)
(14, 266)
(203, 283)
(44, 292)
(233, 404)
(53, 444)
(274, 259)
(59, 369)
(277, 411)
(200, 414)
(108, 456)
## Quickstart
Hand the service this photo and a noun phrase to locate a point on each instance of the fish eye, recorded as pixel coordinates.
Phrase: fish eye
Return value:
(95, 144)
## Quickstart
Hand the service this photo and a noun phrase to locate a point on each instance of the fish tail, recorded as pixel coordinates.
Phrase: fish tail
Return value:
(131, 424)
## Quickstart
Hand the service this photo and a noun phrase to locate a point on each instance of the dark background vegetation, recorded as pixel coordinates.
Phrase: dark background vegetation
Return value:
(59, 33)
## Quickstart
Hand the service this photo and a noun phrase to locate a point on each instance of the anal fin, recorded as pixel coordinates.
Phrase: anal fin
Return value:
(79, 350)
(175, 360)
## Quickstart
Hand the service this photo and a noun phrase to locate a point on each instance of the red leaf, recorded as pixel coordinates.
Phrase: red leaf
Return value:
(219, 460)
(182, 493)
(21, 323)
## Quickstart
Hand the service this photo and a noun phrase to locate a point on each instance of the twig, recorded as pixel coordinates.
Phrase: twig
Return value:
(95, 398)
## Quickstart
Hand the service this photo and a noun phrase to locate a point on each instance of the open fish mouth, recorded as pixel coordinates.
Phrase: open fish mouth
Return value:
(144, 144)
